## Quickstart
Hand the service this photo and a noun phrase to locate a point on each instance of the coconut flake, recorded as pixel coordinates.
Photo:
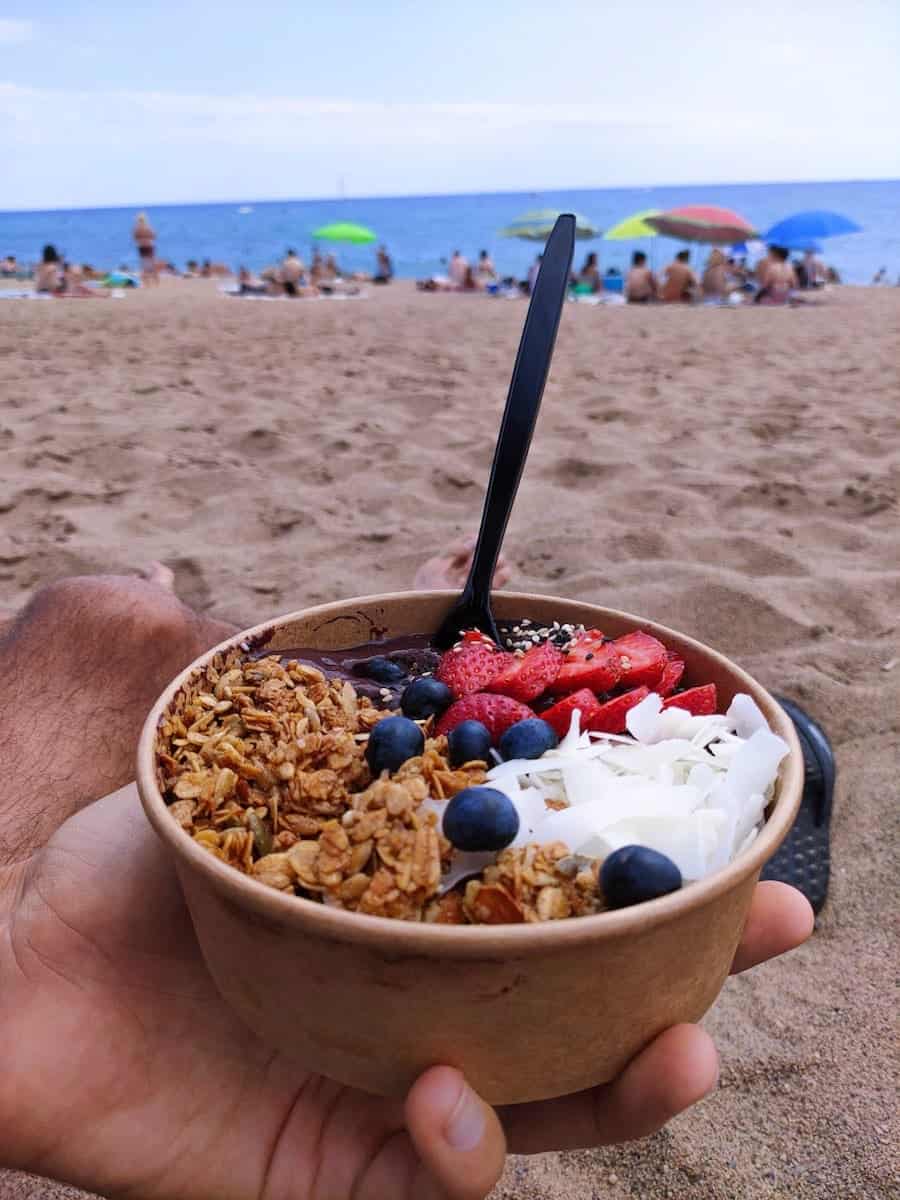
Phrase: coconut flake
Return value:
(745, 716)
(691, 843)
(642, 721)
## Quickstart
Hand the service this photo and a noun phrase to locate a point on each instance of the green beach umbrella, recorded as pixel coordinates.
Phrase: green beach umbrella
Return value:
(344, 231)
(633, 227)
(537, 226)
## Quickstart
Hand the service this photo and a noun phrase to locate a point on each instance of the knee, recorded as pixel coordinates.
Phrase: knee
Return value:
(113, 612)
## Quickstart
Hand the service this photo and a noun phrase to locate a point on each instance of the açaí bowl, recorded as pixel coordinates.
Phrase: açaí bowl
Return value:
(527, 1011)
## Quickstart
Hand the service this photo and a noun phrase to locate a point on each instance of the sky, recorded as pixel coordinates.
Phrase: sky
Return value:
(104, 103)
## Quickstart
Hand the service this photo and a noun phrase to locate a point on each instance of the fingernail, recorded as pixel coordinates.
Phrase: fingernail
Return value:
(465, 1126)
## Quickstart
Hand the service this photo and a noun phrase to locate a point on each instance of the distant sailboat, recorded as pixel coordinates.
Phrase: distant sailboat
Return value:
(245, 208)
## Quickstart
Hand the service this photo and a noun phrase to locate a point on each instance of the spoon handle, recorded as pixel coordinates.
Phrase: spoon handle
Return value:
(522, 405)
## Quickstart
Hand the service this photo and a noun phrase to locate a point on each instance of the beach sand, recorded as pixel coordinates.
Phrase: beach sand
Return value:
(734, 474)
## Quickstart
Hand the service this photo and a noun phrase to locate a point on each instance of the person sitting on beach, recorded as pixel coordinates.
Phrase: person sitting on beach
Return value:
(715, 277)
(270, 277)
(145, 240)
(589, 277)
(470, 283)
(9, 268)
(291, 272)
(457, 269)
(48, 276)
(385, 268)
(640, 285)
(73, 287)
(815, 269)
(250, 284)
(533, 272)
(680, 284)
(759, 271)
(738, 274)
(778, 279)
(485, 271)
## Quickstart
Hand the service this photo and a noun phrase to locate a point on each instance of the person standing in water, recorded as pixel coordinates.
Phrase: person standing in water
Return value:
(145, 240)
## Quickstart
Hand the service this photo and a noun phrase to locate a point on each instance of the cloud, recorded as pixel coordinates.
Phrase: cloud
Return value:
(251, 119)
(101, 145)
(13, 31)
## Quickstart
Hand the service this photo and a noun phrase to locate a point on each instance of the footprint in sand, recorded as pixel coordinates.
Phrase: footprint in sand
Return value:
(566, 470)
(777, 494)
(190, 582)
(258, 443)
(744, 554)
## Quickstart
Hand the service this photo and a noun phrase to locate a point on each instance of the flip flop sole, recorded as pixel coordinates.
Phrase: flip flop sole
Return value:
(804, 858)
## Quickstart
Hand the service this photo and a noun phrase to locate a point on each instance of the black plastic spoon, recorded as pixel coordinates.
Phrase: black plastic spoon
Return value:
(473, 608)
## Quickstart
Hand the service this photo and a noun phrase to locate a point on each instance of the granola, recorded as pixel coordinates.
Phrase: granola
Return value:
(263, 764)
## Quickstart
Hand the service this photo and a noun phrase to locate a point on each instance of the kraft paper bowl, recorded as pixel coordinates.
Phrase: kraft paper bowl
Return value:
(526, 1011)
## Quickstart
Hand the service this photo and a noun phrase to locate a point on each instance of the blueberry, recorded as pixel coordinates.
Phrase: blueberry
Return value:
(425, 697)
(632, 874)
(480, 818)
(381, 669)
(468, 741)
(528, 739)
(392, 742)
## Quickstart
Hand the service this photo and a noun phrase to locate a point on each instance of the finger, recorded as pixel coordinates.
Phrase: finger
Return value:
(675, 1071)
(780, 919)
(461, 550)
(457, 1136)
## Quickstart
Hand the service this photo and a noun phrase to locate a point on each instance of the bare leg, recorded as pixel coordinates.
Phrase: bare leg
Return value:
(81, 666)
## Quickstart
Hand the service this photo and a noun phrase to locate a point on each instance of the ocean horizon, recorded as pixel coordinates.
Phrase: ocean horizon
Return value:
(421, 231)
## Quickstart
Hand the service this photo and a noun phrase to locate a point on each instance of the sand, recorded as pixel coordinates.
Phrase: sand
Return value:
(732, 473)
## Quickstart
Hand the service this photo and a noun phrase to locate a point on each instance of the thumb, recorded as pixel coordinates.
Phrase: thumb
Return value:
(456, 1135)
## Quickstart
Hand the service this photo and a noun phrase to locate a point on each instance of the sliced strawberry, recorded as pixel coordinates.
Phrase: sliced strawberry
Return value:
(589, 663)
(496, 712)
(468, 668)
(560, 715)
(672, 673)
(699, 701)
(527, 677)
(475, 635)
(610, 717)
(642, 659)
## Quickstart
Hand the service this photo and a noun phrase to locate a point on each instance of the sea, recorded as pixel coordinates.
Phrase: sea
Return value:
(421, 232)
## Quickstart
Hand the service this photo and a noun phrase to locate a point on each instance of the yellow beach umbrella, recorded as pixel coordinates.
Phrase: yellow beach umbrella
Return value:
(633, 227)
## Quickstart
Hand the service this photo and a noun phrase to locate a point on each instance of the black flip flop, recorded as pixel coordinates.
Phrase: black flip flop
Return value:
(804, 858)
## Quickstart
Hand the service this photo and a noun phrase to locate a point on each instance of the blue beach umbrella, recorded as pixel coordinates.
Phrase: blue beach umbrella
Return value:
(799, 231)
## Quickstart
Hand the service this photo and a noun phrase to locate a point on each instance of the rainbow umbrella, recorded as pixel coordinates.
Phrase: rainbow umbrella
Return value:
(703, 223)
(344, 231)
(633, 227)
